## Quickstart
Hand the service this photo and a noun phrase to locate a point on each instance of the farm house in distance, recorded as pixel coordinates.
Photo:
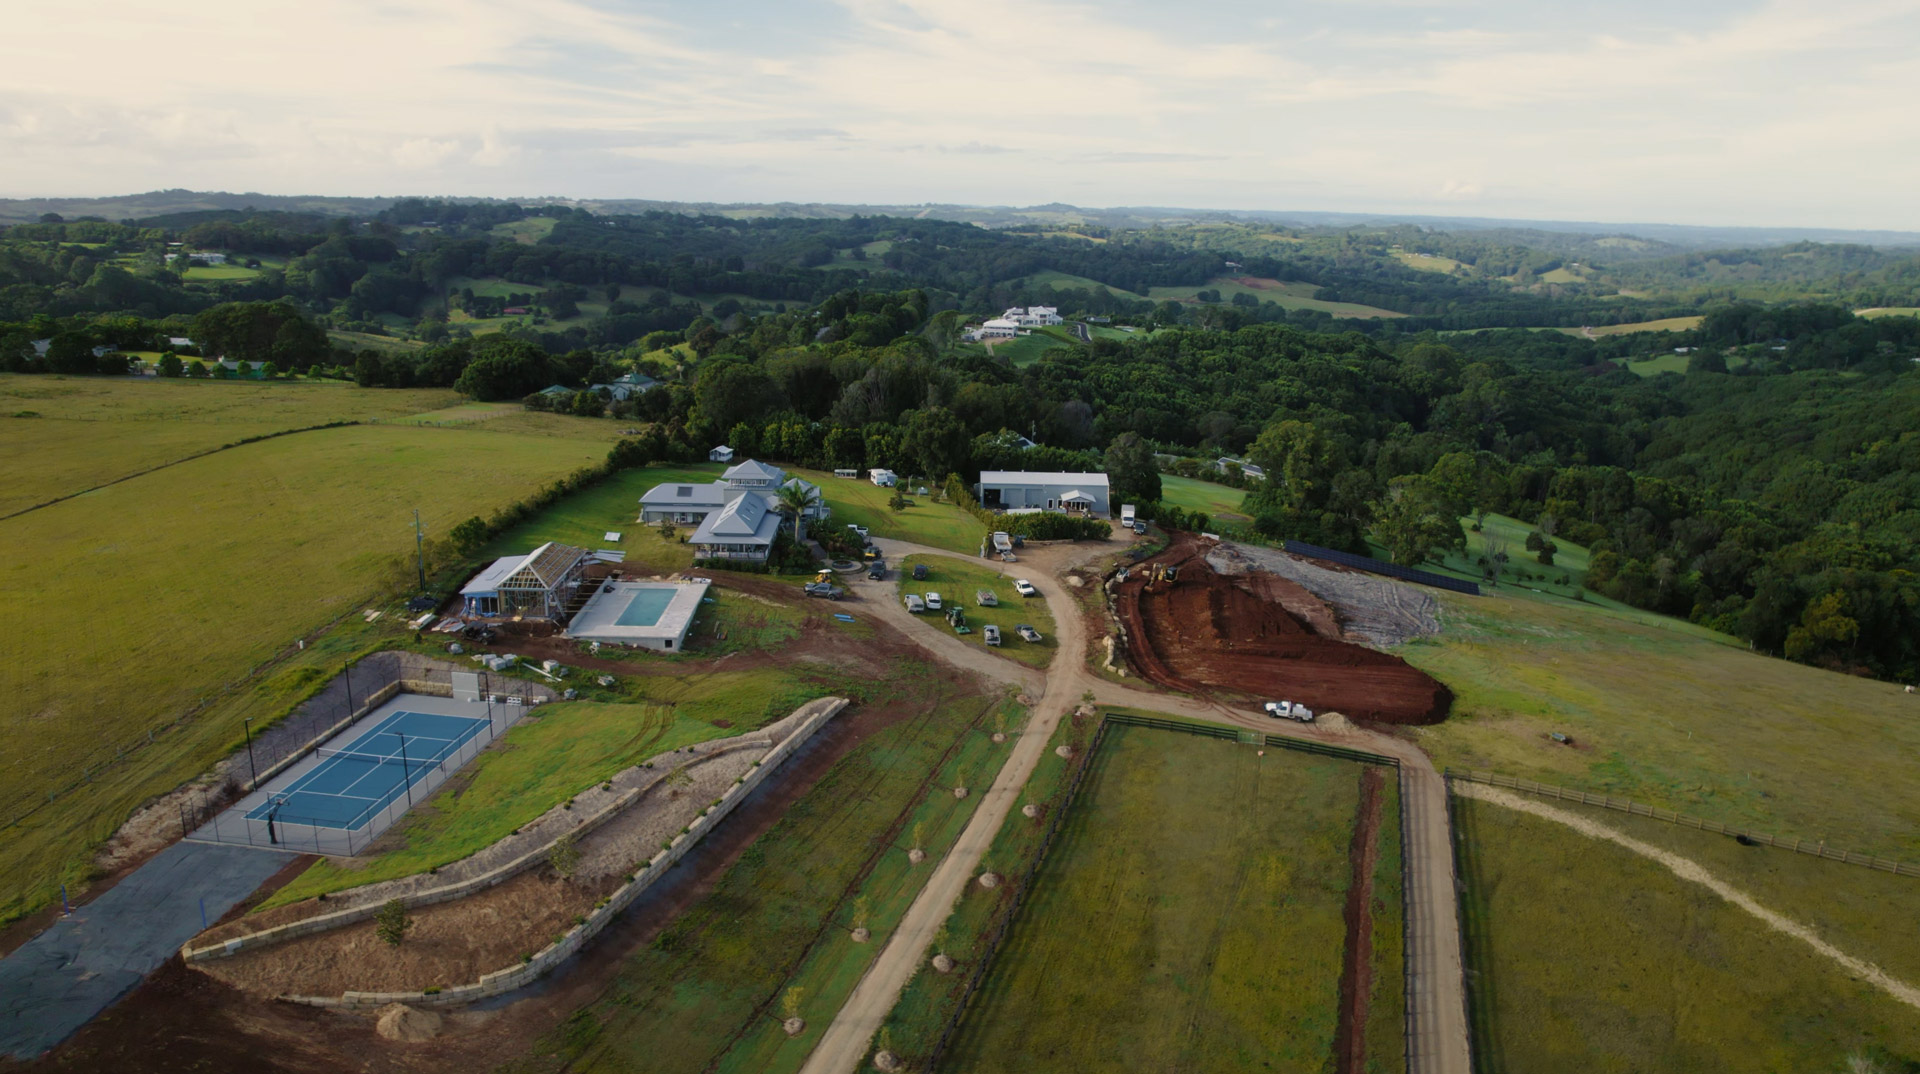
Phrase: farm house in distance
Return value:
(542, 584)
(1018, 490)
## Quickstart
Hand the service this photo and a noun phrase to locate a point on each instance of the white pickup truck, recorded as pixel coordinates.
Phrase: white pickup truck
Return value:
(1287, 710)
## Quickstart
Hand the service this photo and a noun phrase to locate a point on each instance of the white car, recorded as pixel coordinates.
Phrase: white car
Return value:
(1287, 710)
(1025, 588)
(933, 602)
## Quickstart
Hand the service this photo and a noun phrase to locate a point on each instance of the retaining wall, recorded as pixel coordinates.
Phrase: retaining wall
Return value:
(513, 977)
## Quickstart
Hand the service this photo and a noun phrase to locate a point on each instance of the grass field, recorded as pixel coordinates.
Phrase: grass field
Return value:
(90, 430)
(707, 992)
(860, 502)
(958, 582)
(527, 232)
(1427, 262)
(1061, 281)
(1189, 917)
(1585, 956)
(1665, 324)
(147, 611)
(1287, 295)
(557, 751)
(1220, 501)
(369, 341)
(1673, 715)
(1888, 311)
(1022, 350)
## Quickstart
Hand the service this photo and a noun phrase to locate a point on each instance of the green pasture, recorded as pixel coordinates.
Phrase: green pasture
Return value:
(220, 273)
(555, 752)
(1062, 281)
(1190, 916)
(707, 992)
(90, 430)
(496, 286)
(931, 998)
(1386, 1028)
(150, 612)
(1889, 311)
(1585, 956)
(1021, 350)
(832, 968)
(958, 582)
(1189, 494)
(1288, 295)
(1664, 324)
(857, 501)
(1674, 715)
(1428, 262)
(527, 231)
(362, 341)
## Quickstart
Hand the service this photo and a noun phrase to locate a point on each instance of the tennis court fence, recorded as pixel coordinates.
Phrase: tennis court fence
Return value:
(358, 689)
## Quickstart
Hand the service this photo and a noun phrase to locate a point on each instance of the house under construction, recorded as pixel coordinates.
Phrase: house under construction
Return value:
(547, 583)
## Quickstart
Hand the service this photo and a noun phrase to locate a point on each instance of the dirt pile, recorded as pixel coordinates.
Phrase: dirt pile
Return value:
(400, 1022)
(1261, 635)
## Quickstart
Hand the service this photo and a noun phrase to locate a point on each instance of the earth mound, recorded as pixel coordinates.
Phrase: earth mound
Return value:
(1262, 635)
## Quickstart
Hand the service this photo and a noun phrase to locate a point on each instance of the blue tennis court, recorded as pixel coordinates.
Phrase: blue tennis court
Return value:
(354, 782)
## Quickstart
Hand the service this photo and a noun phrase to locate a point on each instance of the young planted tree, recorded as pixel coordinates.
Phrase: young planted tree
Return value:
(391, 923)
(564, 856)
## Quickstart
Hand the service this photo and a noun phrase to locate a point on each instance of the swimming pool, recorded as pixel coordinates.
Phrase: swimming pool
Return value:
(646, 607)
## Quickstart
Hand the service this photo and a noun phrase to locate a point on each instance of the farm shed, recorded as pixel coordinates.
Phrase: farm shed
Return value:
(1019, 490)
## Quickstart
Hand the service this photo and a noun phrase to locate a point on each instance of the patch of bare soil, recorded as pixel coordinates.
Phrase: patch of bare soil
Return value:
(1356, 974)
(1206, 632)
(456, 942)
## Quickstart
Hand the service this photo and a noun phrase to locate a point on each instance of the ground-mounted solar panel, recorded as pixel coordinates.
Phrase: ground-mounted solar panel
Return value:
(1381, 566)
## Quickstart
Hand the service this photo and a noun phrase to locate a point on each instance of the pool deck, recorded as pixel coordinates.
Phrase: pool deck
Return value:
(600, 619)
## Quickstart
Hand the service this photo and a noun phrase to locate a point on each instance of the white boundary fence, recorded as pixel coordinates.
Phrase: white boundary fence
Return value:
(538, 965)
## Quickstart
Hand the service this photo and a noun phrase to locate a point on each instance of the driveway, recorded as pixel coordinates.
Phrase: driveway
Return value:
(59, 980)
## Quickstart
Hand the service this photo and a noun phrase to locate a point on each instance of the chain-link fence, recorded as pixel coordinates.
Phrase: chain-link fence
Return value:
(358, 689)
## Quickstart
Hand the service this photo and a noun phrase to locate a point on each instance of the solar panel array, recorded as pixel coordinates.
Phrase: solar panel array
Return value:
(1381, 566)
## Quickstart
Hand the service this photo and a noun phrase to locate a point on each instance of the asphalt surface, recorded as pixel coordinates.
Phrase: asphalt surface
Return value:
(1438, 1035)
(59, 980)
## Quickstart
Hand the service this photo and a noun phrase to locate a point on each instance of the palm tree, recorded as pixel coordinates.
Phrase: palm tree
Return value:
(796, 498)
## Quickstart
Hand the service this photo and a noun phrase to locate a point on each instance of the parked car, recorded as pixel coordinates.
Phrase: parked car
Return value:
(877, 570)
(933, 600)
(861, 530)
(869, 552)
(986, 599)
(1287, 710)
(1026, 632)
(1025, 588)
(919, 572)
(915, 604)
(1140, 528)
(991, 634)
(826, 590)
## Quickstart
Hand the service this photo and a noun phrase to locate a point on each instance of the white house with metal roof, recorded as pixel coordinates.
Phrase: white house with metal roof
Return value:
(744, 529)
(1020, 490)
(687, 503)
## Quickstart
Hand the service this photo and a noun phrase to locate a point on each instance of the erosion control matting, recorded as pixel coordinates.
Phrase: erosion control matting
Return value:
(1264, 636)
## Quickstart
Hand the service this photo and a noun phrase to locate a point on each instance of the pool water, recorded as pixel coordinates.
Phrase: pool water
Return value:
(646, 607)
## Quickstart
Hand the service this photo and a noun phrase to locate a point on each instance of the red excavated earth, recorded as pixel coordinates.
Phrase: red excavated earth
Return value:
(1262, 635)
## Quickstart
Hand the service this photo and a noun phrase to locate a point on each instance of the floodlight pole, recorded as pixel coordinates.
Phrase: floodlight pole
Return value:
(405, 776)
(419, 555)
(246, 725)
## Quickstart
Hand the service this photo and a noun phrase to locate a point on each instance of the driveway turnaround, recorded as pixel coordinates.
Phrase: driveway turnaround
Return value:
(60, 979)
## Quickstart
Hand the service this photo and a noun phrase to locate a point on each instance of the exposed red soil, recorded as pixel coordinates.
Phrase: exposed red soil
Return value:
(1265, 636)
(183, 1020)
(1356, 974)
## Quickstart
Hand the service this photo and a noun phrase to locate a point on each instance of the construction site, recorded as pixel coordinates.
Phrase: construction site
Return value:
(1191, 627)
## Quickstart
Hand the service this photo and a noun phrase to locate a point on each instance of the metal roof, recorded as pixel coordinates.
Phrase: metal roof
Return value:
(1022, 477)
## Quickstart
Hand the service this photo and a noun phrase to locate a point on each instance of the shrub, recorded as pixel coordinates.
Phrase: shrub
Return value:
(564, 856)
(391, 923)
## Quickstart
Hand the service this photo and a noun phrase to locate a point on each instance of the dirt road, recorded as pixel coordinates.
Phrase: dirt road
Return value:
(1437, 998)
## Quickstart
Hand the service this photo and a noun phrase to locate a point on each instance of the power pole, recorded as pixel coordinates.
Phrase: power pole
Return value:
(419, 553)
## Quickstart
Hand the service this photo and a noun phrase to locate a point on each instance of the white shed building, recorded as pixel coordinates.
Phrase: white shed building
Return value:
(1019, 490)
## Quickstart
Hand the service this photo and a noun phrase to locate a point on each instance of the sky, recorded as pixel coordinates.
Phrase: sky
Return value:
(1697, 112)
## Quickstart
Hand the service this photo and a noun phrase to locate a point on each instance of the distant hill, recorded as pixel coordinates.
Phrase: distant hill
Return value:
(1570, 236)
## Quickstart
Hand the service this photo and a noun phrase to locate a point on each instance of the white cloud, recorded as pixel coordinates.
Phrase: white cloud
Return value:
(1784, 112)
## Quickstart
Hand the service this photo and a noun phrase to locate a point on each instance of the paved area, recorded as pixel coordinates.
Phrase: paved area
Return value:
(1438, 1041)
(60, 979)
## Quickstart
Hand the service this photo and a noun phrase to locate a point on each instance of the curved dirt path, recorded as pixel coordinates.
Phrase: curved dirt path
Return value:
(1438, 1040)
(1689, 870)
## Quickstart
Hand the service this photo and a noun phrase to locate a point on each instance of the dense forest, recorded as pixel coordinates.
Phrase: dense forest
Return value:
(1772, 490)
